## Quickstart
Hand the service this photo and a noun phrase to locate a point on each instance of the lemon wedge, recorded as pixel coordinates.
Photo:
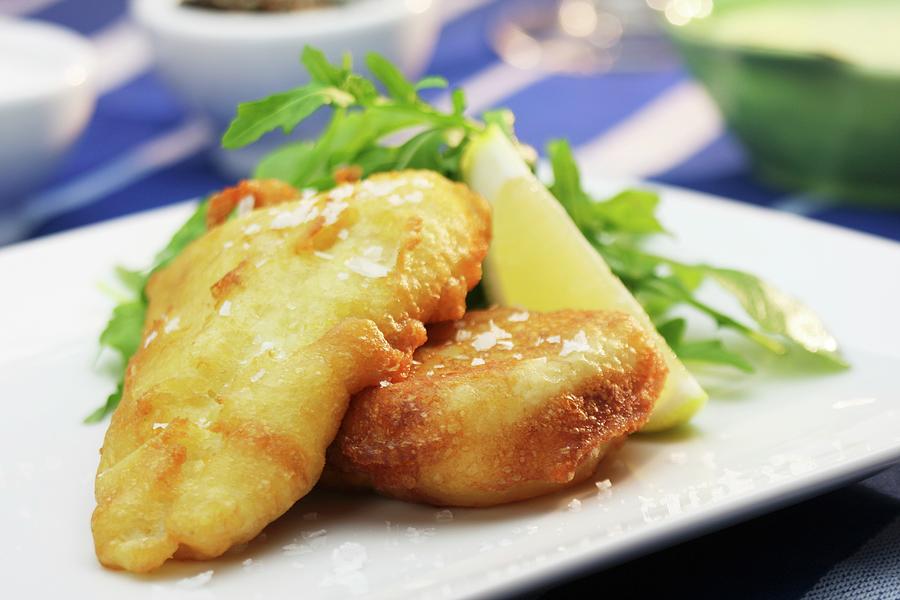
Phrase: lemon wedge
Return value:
(539, 260)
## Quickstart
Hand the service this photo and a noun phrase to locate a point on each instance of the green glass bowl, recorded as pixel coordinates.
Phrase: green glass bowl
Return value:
(810, 122)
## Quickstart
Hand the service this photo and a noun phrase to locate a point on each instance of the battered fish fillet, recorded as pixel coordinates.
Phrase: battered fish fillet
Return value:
(501, 406)
(256, 337)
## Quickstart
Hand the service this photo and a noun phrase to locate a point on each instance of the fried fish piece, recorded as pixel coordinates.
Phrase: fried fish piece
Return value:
(500, 406)
(256, 337)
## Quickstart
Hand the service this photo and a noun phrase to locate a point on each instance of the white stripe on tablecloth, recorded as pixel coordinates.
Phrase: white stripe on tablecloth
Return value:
(153, 155)
(873, 571)
(452, 9)
(124, 52)
(802, 204)
(492, 84)
(21, 8)
(662, 134)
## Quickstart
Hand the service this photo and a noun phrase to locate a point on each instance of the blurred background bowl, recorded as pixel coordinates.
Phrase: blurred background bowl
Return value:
(46, 99)
(216, 59)
(811, 117)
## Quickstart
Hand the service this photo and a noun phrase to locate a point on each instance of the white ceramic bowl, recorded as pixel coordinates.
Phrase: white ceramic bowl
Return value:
(46, 98)
(217, 59)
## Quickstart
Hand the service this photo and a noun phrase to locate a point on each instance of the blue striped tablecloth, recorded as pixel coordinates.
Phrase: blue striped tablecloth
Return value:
(142, 150)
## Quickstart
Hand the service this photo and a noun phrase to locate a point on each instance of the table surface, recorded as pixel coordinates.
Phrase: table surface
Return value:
(143, 150)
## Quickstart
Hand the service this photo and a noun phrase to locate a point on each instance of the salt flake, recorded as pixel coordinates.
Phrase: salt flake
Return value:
(150, 338)
(367, 267)
(380, 188)
(172, 325)
(305, 211)
(606, 484)
(311, 535)
(421, 182)
(488, 339)
(578, 343)
(348, 557)
(197, 581)
(245, 205)
(341, 192)
(333, 210)
(373, 252)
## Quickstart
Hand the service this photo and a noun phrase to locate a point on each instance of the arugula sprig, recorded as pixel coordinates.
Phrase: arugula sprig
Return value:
(363, 127)
(617, 228)
(374, 132)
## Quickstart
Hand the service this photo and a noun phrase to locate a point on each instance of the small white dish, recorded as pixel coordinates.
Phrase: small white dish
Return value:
(762, 442)
(216, 59)
(46, 98)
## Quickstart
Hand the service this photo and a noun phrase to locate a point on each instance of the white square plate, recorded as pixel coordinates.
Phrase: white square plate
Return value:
(763, 441)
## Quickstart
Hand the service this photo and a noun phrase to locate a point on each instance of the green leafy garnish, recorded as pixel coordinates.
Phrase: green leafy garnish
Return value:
(123, 332)
(112, 401)
(363, 128)
(330, 85)
(187, 233)
(708, 351)
(392, 129)
(617, 227)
